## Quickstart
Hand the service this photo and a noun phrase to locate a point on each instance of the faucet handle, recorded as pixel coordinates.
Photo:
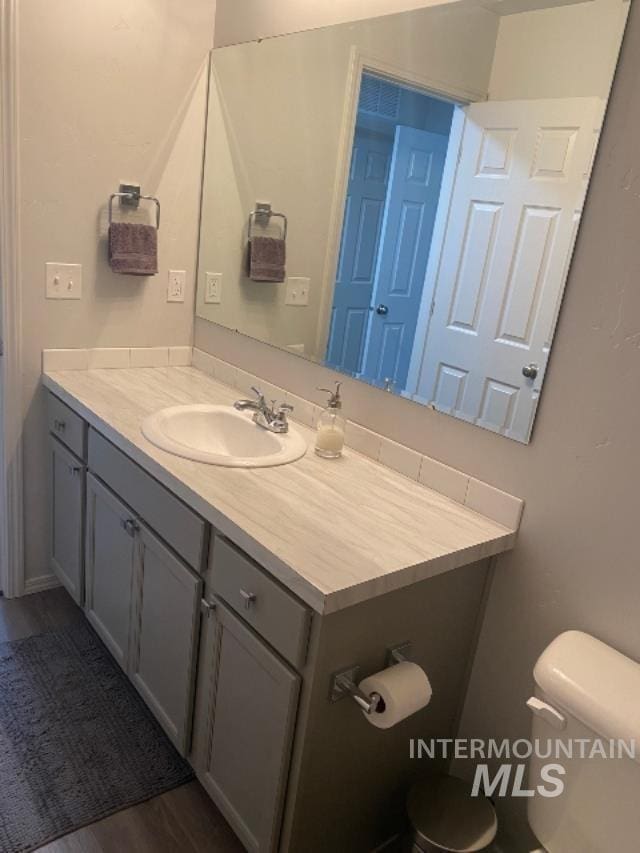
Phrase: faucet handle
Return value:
(257, 392)
(280, 416)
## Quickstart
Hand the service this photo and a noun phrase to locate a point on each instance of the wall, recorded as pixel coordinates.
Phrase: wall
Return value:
(108, 90)
(575, 564)
(275, 136)
(260, 19)
(577, 61)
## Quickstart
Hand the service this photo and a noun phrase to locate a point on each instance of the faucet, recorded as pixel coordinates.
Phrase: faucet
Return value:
(272, 418)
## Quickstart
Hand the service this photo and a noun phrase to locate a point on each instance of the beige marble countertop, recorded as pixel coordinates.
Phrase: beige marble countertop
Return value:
(335, 532)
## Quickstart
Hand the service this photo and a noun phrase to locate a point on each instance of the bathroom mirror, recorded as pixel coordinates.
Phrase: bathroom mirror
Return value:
(398, 198)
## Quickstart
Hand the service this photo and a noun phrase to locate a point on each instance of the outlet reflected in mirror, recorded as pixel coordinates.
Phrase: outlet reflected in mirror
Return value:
(399, 198)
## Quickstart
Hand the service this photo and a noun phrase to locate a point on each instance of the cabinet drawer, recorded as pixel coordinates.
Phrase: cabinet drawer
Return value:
(181, 528)
(262, 602)
(67, 426)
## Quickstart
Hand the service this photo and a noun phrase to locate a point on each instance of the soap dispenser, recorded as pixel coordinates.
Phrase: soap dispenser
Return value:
(331, 426)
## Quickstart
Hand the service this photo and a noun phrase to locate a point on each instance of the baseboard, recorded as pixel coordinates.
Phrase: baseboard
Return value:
(40, 584)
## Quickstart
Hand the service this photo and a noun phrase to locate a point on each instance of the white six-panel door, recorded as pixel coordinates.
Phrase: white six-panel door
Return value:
(516, 203)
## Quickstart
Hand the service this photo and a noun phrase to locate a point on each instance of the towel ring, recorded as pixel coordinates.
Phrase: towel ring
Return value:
(134, 197)
(267, 213)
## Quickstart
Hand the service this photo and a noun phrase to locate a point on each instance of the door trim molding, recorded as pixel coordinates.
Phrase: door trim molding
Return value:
(11, 421)
(359, 62)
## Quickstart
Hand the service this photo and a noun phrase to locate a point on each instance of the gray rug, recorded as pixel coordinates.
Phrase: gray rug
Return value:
(76, 741)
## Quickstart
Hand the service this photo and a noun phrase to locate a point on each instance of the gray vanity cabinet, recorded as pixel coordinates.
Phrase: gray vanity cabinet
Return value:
(110, 554)
(166, 623)
(246, 746)
(67, 518)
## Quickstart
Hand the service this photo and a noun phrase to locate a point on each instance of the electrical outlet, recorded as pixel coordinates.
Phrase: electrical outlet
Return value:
(297, 291)
(63, 281)
(213, 288)
(176, 285)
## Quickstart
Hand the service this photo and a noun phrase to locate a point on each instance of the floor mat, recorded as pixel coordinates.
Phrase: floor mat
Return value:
(76, 741)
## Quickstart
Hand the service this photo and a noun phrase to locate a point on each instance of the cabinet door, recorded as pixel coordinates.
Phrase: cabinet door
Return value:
(111, 548)
(67, 518)
(247, 746)
(167, 619)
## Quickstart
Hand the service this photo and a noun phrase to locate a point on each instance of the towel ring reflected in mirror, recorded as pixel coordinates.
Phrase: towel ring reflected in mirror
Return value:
(263, 212)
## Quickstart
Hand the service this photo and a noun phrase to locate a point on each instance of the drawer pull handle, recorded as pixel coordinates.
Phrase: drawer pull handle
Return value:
(130, 526)
(249, 598)
(75, 470)
(59, 426)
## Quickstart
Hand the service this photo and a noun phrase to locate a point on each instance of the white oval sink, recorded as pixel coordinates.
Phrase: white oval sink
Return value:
(220, 435)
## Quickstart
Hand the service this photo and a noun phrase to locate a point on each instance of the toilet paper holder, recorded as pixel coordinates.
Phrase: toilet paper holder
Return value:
(345, 682)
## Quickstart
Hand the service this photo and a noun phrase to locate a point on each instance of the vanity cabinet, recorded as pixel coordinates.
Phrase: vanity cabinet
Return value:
(246, 745)
(165, 637)
(111, 550)
(67, 478)
(141, 598)
(209, 635)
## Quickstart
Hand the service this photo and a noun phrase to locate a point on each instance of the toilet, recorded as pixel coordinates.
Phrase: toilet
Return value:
(585, 690)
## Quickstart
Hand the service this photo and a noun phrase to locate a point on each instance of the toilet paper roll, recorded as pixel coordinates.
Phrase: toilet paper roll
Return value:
(404, 689)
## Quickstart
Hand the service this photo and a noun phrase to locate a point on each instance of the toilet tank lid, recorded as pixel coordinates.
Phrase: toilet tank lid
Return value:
(594, 683)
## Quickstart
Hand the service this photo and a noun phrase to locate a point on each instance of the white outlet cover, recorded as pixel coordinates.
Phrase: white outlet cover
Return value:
(213, 288)
(176, 285)
(298, 288)
(63, 281)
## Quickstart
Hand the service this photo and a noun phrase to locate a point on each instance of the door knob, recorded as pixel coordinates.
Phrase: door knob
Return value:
(382, 309)
(530, 370)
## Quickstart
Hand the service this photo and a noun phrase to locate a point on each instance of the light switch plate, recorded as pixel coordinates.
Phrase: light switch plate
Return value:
(213, 288)
(63, 281)
(176, 285)
(297, 291)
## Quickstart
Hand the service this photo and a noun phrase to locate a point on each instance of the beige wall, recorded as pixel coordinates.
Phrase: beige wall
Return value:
(109, 90)
(275, 123)
(260, 19)
(575, 564)
(568, 52)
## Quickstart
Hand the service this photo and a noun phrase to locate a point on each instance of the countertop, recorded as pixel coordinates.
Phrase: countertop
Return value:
(335, 532)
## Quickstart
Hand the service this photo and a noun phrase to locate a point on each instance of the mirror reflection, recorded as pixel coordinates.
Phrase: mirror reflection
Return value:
(399, 198)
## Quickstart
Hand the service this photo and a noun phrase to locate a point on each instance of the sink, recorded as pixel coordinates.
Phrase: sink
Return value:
(220, 435)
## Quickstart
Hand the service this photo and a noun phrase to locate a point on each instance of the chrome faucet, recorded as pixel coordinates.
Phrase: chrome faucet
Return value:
(272, 418)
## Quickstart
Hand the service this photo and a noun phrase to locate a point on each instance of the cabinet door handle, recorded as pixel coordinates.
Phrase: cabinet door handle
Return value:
(59, 426)
(249, 598)
(207, 607)
(130, 526)
(75, 470)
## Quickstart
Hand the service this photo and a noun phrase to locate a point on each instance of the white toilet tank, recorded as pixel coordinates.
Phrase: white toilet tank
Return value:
(586, 690)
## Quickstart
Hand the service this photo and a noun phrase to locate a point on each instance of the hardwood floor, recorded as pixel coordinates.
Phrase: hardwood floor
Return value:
(35, 614)
(183, 820)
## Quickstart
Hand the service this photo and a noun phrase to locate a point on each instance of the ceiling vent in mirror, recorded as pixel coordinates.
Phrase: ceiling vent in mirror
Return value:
(379, 97)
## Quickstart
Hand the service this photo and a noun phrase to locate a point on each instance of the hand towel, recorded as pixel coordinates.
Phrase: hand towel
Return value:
(267, 259)
(133, 248)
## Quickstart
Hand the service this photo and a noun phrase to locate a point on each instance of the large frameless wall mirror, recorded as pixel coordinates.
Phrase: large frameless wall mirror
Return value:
(399, 198)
